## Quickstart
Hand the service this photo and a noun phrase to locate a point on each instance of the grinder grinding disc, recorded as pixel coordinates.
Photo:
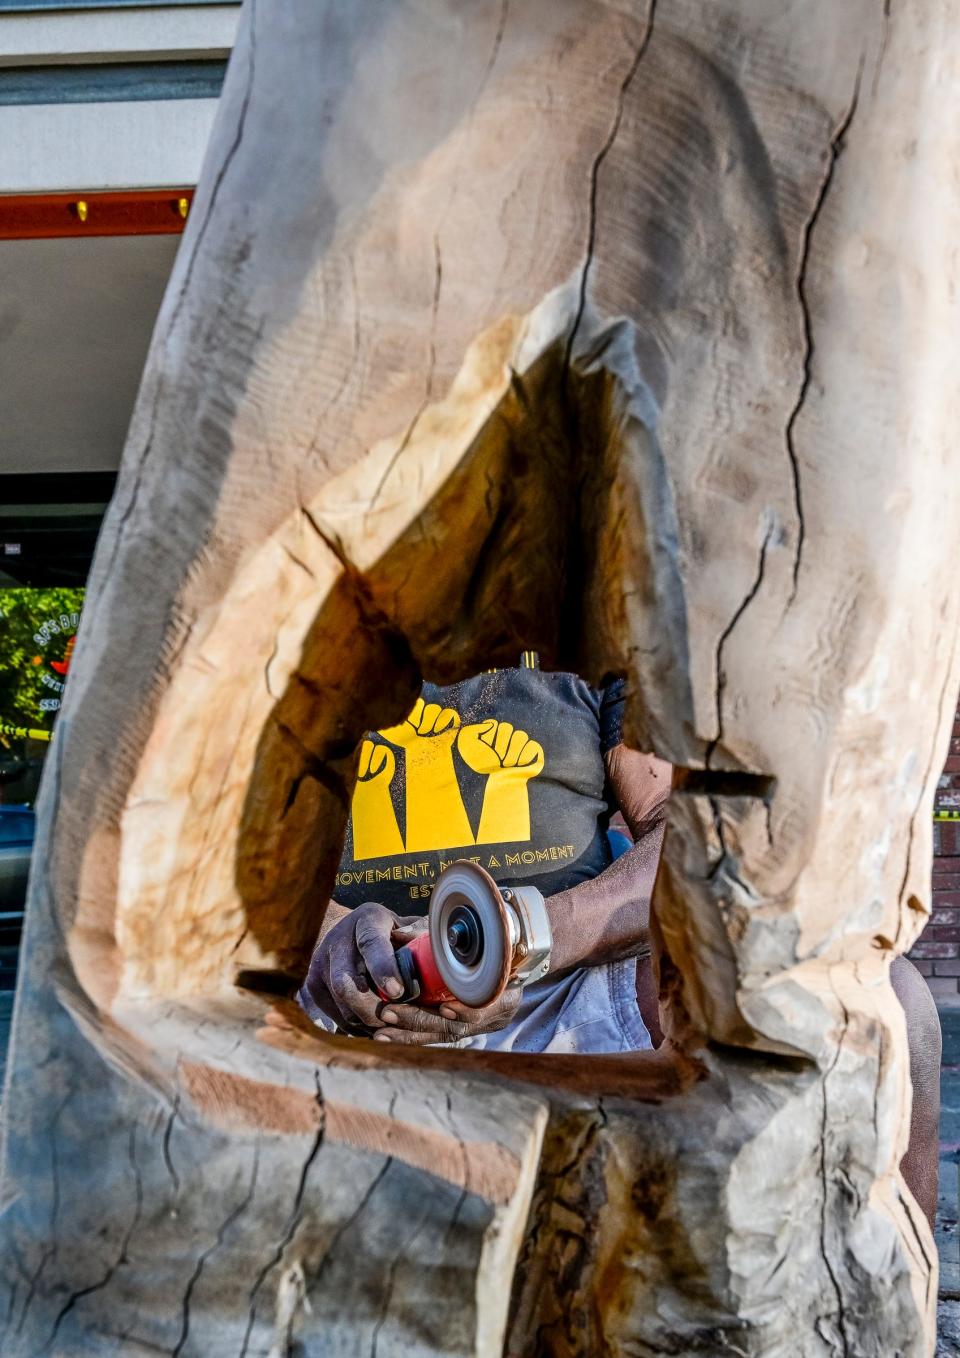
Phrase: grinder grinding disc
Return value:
(470, 934)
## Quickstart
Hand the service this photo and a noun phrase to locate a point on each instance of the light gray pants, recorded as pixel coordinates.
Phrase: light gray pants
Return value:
(591, 1009)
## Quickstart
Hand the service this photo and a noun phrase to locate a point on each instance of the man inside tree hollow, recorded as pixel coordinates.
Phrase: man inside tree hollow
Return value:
(521, 770)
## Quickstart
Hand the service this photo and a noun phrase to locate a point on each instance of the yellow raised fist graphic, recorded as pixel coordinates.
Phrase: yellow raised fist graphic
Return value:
(376, 833)
(376, 761)
(510, 758)
(494, 745)
(427, 721)
(436, 817)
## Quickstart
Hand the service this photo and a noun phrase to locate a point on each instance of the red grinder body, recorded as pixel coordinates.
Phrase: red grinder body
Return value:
(418, 971)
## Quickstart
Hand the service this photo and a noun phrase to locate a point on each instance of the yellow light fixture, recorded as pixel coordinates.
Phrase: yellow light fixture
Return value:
(82, 209)
(183, 206)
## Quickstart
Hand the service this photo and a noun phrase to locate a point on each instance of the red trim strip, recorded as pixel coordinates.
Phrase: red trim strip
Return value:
(150, 212)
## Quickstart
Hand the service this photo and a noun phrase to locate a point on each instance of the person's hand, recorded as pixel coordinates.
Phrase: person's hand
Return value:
(356, 958)
(409, 1025)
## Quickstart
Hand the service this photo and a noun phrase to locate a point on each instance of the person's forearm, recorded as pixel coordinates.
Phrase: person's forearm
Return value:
(607, 918)
(641, 784)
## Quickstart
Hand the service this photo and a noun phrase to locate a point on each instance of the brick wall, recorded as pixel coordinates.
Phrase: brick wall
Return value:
(937, 951)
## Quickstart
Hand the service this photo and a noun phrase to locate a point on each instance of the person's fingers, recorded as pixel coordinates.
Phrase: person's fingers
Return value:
(401, 1037)
(465, 1013)
(373, 929)
(408, 1018)
(358, 1004)
(405, 931)
(317, 998)
(314, 985)
(497, 1014)
(335, 983)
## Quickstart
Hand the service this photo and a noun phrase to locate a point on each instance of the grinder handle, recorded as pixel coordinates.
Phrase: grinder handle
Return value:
(418, 971)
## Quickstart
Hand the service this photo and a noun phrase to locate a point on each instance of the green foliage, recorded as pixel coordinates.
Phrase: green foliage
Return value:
(32, 637)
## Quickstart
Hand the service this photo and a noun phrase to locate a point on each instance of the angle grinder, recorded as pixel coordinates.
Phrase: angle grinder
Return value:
(481, 938)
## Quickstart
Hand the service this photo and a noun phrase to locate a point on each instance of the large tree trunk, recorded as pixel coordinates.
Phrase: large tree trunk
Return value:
(627, 332)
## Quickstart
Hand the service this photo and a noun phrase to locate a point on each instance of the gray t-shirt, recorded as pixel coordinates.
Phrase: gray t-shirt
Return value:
(505, 769)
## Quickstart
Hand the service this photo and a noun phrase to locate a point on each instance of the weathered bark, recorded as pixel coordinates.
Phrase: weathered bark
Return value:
(626, 332)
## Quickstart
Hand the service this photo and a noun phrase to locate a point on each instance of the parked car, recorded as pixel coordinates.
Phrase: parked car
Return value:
(17, 826)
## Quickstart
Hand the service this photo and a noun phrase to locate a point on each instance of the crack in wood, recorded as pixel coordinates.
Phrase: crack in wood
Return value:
(831, 1271)
(834, 152)
(296, 1216)
(122, 1255)
(208, 1253)
(595, 168)
(720, 679)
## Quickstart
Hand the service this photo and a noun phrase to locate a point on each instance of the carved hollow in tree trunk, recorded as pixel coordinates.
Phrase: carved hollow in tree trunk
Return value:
(621, 330)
